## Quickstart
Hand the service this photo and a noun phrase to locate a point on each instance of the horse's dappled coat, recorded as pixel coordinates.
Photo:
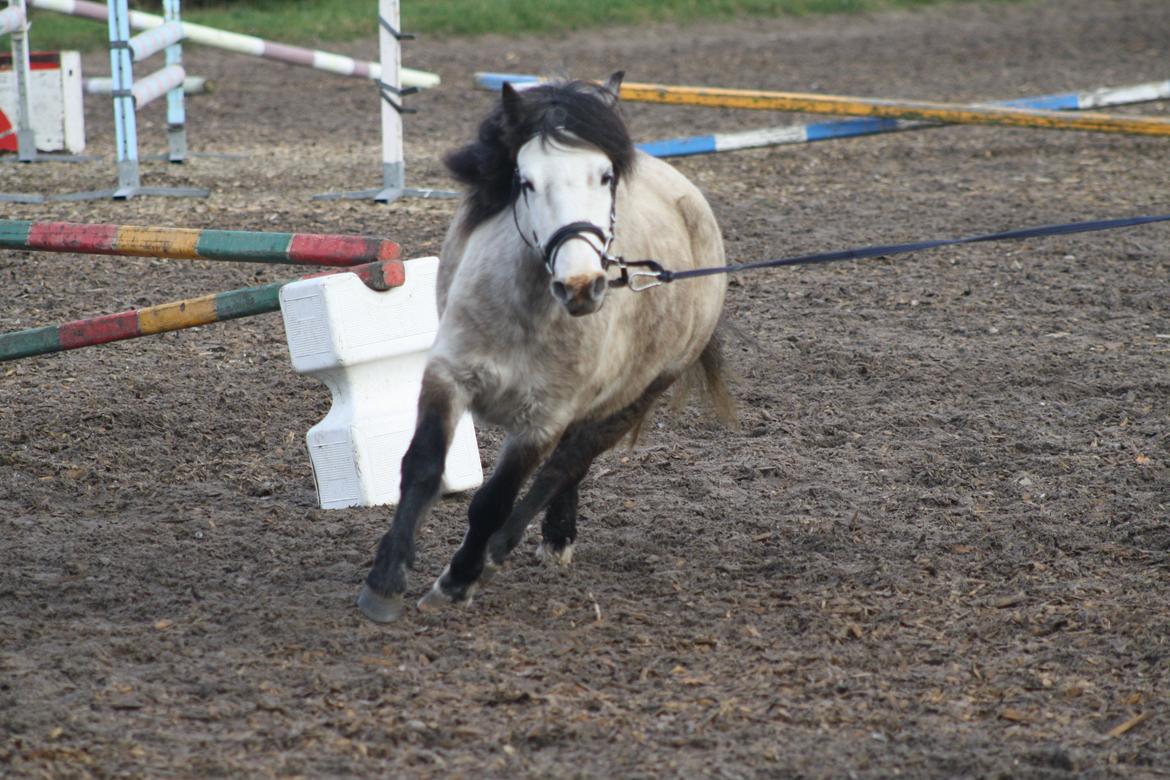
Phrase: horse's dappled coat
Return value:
(564, 387)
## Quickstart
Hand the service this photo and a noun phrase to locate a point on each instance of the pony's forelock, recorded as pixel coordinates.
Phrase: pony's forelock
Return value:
(570, 113)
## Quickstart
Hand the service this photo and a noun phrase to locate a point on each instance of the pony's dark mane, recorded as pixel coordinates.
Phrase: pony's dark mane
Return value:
(571, 113)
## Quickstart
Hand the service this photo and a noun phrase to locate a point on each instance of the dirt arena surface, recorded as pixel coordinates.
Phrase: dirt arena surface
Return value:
(937, 546)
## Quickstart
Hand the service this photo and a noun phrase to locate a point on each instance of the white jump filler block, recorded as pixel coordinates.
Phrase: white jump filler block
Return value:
(370, 348)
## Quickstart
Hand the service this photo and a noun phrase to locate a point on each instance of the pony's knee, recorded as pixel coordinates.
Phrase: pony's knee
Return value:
(440, 405)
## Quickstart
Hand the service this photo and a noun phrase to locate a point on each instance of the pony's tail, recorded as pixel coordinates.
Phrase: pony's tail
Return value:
(708, 376)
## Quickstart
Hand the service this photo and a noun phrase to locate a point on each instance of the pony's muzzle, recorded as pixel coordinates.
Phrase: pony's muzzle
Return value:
(581, 294)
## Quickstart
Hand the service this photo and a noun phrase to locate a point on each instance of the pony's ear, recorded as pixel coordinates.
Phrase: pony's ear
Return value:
(613, 87)
(511, 100)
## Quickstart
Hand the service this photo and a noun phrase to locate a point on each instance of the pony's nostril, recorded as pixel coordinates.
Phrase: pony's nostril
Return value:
(598, 288)
(560, 291)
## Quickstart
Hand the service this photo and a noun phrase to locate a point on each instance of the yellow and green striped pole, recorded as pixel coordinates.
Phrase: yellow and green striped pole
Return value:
(245, 302)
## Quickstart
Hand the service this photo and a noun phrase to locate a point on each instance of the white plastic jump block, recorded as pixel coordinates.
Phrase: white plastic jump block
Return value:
(370, 348)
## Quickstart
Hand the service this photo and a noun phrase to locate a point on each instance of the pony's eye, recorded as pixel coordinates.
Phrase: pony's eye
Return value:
(527, 186)
(607, 178)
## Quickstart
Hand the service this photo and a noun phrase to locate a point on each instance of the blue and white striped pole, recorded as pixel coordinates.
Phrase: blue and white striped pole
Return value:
(848, 128)
(494, 82)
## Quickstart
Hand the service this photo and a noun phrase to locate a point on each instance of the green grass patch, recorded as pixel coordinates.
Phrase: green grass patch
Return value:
(319, 22)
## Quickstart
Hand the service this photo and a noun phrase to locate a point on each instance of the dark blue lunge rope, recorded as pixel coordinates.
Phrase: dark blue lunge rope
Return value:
(660, 275)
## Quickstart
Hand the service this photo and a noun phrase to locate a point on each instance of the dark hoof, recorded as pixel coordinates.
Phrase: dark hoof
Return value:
(378, 608)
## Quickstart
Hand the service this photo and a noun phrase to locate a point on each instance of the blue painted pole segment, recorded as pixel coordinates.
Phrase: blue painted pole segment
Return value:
(680, 147)
(494, 82)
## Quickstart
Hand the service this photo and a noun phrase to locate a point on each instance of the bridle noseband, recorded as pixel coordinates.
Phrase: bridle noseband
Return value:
(579, 230)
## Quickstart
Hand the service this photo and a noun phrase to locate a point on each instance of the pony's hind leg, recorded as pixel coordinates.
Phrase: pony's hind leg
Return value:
(422, 472)
(565, 469)
(558, 531)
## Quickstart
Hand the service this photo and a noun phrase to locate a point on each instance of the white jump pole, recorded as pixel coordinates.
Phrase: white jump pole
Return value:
(392, 92)
(103, 85)
(176, 100)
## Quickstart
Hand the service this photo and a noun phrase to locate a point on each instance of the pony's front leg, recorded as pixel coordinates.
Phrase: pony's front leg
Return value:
(439, 408)
(489, 508)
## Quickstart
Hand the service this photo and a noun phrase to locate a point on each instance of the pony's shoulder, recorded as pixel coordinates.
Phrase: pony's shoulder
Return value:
(678, 202)
(451, 254)
(660, 175)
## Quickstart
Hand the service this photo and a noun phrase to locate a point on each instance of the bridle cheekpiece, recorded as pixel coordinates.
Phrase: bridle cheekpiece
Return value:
(578, 231)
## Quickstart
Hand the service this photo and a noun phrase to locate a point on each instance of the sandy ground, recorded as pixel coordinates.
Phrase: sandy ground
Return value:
(937, 545)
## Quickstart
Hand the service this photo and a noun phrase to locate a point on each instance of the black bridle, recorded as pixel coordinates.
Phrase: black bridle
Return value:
(579, 231)
(565, 233)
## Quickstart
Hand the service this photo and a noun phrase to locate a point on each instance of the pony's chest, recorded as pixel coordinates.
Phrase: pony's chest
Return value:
(516, 388)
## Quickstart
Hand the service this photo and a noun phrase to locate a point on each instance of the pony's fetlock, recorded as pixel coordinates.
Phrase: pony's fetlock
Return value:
(445, 592)
(555, 554)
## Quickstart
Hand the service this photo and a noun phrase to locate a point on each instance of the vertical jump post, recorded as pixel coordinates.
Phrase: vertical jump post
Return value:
(392, 92)
(130, 95)
(14, 22)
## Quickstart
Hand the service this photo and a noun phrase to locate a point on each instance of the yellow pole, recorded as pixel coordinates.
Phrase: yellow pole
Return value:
(947, 113)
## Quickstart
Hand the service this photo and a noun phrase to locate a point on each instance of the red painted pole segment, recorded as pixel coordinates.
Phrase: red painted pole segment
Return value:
(72, 237)
(321, 249)
(99, 330)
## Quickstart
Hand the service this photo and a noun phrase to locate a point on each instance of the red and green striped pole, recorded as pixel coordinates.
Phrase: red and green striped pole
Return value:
(380, 275)
(192, 244)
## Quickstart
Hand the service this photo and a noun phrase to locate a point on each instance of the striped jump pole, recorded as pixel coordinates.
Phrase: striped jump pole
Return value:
(926, 111)
(874, 108)
(188, 313)
(194, 244)
(246, 44)
(849, 128)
